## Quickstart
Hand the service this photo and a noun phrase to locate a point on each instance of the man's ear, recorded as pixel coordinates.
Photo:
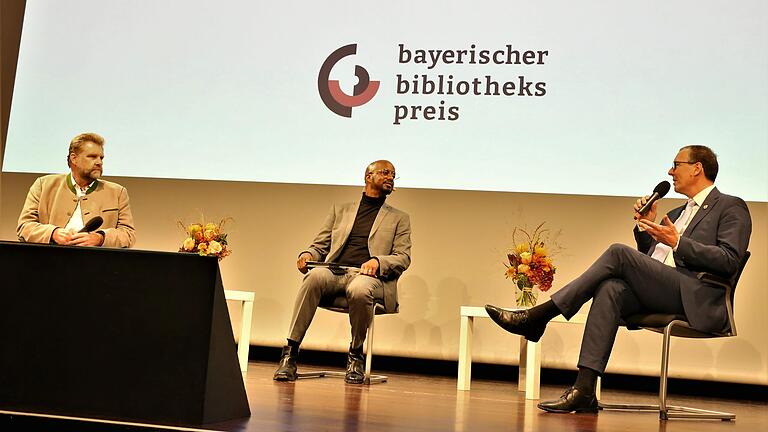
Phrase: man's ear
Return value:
(699, 168)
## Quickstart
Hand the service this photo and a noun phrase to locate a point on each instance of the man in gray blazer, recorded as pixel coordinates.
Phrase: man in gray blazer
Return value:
(708, 234)
(368, 234)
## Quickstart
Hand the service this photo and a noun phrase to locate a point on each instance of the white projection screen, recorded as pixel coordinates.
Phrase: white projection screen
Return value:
(576, 97)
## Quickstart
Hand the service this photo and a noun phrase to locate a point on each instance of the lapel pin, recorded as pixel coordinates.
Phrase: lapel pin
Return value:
(705, 206)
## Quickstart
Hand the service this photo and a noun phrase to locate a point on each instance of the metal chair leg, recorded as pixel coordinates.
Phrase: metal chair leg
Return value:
(369, 378)
(663, 412)
(667, 412)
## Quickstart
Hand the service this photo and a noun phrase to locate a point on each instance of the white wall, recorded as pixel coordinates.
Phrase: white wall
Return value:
(459, 242)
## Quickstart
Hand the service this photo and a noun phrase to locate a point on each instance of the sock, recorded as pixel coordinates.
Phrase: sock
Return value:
(357, 351)
(294, 345)
(544, 312)
(586, 380)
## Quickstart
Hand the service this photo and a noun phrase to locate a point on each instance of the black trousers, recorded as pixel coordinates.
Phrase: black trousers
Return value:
(622, 282)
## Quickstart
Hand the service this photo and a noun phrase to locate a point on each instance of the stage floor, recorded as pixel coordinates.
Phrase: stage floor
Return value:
(428, 403)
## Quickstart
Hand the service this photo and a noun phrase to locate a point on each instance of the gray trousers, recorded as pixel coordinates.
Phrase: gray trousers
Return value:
(622, 282)
(319, 283)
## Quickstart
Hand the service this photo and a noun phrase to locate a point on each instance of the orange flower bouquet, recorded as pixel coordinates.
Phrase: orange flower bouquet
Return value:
(530, 264)
(205, 239)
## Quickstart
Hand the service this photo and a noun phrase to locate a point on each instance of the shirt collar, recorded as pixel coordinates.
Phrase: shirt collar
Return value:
(77, 190)
(702, 195)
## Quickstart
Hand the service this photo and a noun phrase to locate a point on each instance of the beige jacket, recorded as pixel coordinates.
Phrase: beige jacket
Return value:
(51, 201)
(389, 242)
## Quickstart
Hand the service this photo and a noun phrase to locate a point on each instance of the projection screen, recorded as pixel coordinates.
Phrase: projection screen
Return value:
(585, 97)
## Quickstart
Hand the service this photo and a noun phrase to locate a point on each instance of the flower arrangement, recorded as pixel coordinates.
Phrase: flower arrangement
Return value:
(205, 239)
(530, 264)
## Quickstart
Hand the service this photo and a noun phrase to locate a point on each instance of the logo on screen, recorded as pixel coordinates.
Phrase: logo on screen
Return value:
(330, 90)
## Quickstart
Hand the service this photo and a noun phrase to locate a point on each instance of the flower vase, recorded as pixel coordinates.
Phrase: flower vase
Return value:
(526, 297)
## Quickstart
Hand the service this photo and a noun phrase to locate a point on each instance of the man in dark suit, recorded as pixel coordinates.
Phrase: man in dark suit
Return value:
(708, 234)
(368, 234)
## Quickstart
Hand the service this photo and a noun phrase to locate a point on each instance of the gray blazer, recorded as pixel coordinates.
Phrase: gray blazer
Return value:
(389, 242)
(715, 241)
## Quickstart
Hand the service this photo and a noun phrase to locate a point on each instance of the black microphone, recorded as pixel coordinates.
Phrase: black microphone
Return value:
(659, 192)
(92, 224)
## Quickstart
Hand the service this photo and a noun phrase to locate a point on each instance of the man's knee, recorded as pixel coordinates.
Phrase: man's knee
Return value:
(620, 249)
(361, 289)
(620, 253)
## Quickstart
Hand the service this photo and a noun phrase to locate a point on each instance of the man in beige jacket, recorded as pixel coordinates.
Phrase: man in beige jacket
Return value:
(367, 234)
(59, 206)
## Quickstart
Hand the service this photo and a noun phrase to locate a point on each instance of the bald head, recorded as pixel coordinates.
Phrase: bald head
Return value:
(377, 165)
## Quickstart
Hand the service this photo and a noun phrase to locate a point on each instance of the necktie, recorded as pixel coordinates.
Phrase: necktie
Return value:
(662, 251)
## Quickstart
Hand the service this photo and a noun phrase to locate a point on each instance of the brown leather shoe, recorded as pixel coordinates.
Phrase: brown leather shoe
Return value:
(573, 400)
(355, 369)
(517, 322)
(286, 370)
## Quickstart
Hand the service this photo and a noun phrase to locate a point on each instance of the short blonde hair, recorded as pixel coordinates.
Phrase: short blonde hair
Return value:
(76, 145)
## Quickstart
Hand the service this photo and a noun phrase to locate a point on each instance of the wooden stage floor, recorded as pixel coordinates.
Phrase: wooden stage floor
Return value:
(428, 403)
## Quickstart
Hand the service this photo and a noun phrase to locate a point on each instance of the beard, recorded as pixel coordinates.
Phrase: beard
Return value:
(90, 175)
(94, 174)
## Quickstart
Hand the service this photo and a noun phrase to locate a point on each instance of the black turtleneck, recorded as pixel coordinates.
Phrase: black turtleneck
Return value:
(355, 251)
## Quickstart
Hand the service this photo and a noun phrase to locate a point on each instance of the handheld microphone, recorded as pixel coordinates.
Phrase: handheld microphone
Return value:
(659, 192)
(92, 225)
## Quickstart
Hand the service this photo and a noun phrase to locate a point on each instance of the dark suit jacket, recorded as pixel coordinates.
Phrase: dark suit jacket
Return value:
(389, 242)
(715, 241)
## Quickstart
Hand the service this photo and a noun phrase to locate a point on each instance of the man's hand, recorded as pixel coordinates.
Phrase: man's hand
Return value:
(86, 239)
(301, 264)
(62, 236)
(370, 267)
(651, 215)
(665, 233)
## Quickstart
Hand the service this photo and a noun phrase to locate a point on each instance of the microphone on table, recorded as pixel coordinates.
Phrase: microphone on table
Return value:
(92, 225)
(659, 192)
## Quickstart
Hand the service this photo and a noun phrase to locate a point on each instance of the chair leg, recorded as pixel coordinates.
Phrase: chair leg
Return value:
(370, 378)
(369, 348)
(665, 411)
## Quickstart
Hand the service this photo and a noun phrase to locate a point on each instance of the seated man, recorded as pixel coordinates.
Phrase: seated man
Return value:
(368, 234)
(58, 206)
(709, 234)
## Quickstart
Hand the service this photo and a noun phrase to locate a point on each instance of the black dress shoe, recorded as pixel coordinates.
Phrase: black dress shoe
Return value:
(355, 369)
(573, 400)
(286, 370)
(517, 322)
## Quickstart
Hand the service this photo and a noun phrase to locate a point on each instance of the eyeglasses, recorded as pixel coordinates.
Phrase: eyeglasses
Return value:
(675, 164)
(386, 173)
